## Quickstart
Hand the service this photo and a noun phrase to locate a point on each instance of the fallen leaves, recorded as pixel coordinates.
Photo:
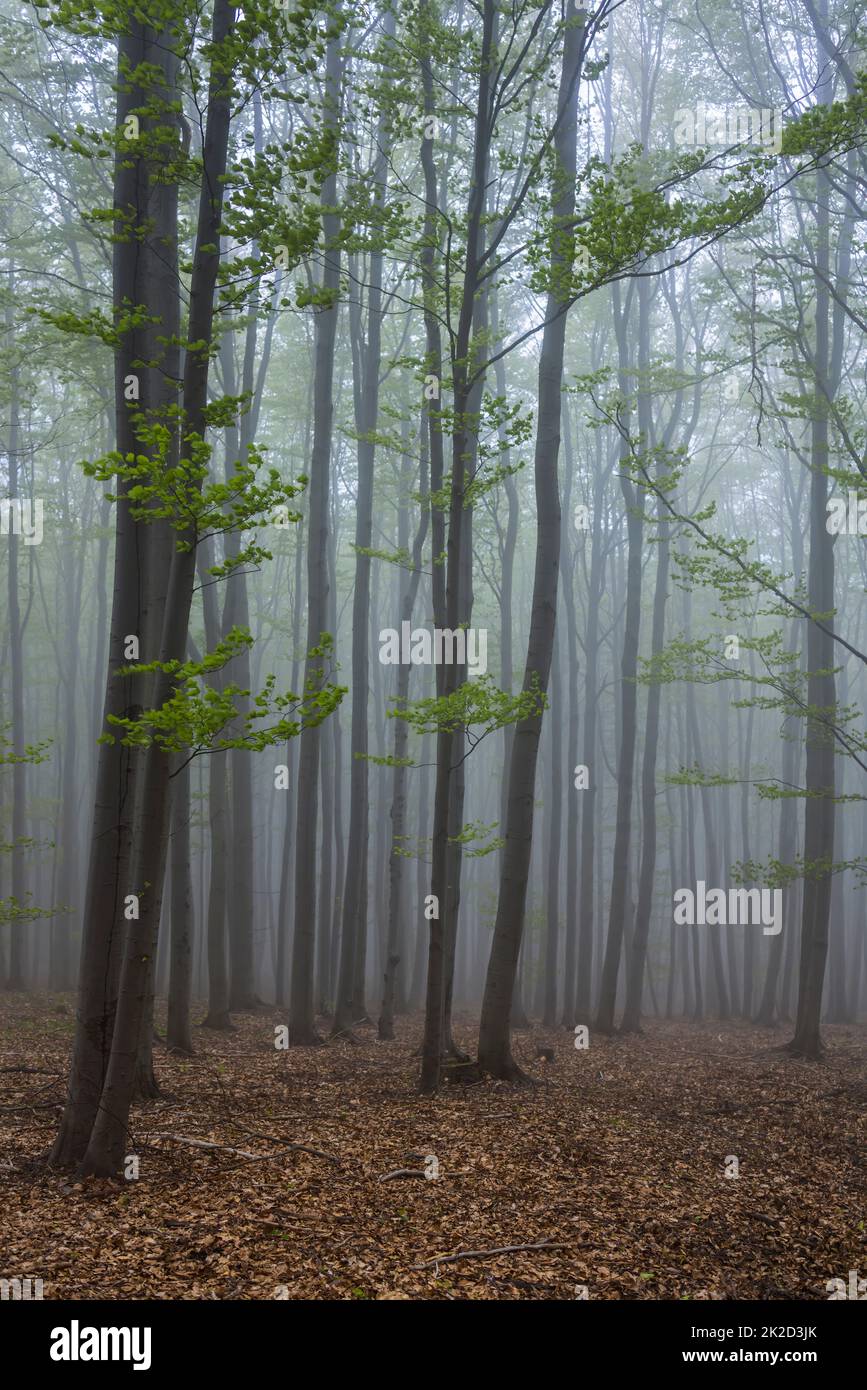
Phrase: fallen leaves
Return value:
(609, 1173)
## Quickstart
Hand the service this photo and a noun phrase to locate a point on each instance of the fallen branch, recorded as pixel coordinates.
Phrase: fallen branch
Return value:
(43, 1105)
(306, 1149)
(31, 1071)
(277, 1225)
(483, 1254)
(290, 1144)
(243, 1153)
(403, 1173)
(207, 1144)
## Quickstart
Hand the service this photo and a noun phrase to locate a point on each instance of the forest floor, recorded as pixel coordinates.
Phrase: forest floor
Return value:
(615, 1159)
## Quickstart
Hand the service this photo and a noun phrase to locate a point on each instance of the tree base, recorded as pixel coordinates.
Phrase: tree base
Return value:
(344, 1033)
(628, 1027)
(505, 1069)
(146, 1088)
(65, 1153)
(305, 1037)
(808, 1049)
(247, 1004)
(461, 1073)
(98, 1166)
(218, 1023)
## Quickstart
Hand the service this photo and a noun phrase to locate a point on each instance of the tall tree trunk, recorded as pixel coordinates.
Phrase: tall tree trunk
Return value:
(18, 929)
(619, 902)
(64, 928)
(217, 1016)
(108, 874)
(109, 1136)
(236, 614)
(590, 808)
(819, 810)
(394, 950)
(178, 1035)
(573, 795)
(631, 1021)
(448, 799)
(349, 1005)
(552, 884)
(302, 1029)
(494, 1042)
(287, 861)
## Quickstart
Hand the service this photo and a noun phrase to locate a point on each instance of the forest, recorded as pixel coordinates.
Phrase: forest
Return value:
(433, 535)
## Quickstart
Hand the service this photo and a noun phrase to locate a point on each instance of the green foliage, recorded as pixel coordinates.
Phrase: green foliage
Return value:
(12, 910)
(158, 488)
(773, 873)
(475, 705)
(199, 711)
(478, 831)
(32, 752)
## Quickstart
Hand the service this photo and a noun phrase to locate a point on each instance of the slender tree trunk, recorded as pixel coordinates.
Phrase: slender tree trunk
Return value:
(619, 905)
(401, 733)
(178, 1035)
(287, 861)
(65, 927)
(631, 1021)
(819, 810)
(236, 614)
(494, 1042)
(302, 1030)
(18, 929)
(445, 861)
(350, 1005)
(552, 886)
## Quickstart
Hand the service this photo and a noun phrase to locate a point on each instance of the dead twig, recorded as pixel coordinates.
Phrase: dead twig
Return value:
(207, 1144)
(243, 1153)
(290, 1144)
(483, 1254)
(31, 1071)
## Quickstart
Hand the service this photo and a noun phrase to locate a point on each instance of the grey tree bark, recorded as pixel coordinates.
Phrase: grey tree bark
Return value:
(302, 1029)
(494, 1041)
(108, 1139)
(108, 873)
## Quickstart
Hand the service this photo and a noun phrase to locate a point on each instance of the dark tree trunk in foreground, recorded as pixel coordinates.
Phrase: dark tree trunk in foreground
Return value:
(109, 1137)
(494, 1043)
(449, 744)
(108, 874)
